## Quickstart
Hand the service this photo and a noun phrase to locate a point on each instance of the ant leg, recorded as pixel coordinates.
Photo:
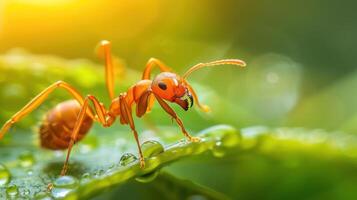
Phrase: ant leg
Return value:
(38, 100)
(143, 106)
(172, 113)
(105, 48)
(144, 103)
(150, 64)
(104, 119)
(203, 107)
(126, 114)
(77, 125)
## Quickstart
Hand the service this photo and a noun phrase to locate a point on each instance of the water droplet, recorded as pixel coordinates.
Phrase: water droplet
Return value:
(42, 196)
(12, 191)
(230, 138)
(63, 185)
(218, 150)
(85, 177)
(26, 159)
(4, 175)
(151, 148)
(127, 158)
(147, 177)
(111, 168)
(99, 172)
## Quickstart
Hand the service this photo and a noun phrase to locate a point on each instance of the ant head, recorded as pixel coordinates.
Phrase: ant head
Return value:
(171, 87)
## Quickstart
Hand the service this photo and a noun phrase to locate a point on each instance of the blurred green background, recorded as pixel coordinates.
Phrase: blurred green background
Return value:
(300, 54)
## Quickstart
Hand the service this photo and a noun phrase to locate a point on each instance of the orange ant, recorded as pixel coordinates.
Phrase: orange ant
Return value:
(69, 121)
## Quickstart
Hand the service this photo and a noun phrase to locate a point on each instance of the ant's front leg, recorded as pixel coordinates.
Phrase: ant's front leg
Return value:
(172, 113)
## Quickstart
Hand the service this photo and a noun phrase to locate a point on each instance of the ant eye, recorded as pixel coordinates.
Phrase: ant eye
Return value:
(162, 86)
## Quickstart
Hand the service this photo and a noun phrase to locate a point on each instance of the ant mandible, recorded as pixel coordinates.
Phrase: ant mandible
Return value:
(69, 121)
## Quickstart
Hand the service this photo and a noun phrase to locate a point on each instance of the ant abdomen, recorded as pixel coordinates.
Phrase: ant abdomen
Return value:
(57, 126)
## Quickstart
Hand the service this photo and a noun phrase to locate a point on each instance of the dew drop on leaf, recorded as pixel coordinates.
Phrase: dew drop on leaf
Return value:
(151, 148)
(230, 139)
(218, 150)
(4, 175)
(127, 158)
(99, 172)
(42, 196)
(12, 191)
(85, 177)
(26, 159)
(63, 185)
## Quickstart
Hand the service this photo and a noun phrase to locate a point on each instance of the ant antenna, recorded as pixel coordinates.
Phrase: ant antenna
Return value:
(214, 63)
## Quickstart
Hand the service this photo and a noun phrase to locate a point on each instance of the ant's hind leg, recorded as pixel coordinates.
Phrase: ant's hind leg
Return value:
(38, 100)
(103, 118)
(77, 126)
(104, 50)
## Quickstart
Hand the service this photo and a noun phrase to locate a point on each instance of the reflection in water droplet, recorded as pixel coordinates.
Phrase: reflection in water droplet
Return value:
(26, 159)
(218, 150)
(147, 177)
(42, 196)
(127, 158)
(4, 175)
(12, 191)
(63, 185)
(151, 148)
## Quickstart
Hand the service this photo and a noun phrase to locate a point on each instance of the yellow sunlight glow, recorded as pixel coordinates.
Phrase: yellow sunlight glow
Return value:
(43, 2)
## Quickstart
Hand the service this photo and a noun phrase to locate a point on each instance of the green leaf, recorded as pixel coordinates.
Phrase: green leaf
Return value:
(165, 186)
(99, 167)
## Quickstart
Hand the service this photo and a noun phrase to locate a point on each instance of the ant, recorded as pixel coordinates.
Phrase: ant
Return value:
(70, 120)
